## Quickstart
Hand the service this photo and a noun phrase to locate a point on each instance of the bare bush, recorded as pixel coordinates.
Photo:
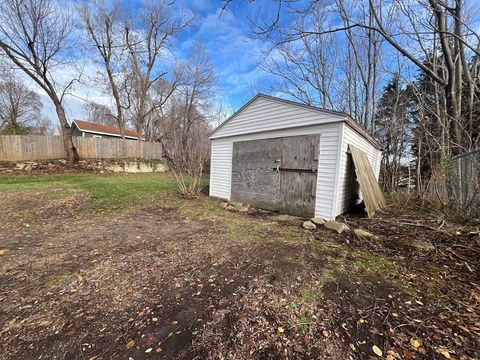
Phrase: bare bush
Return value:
(186, 127)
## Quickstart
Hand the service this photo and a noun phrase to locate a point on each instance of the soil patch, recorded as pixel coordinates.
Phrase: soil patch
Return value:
(182, 279)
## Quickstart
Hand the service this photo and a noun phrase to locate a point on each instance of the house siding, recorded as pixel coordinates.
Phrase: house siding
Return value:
(75, 130)
(221, 168)
(221, 162)
(345, 193)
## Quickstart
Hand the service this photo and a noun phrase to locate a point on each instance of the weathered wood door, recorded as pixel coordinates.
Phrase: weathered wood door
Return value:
(253, 179)
(298, 175)
(277, 174)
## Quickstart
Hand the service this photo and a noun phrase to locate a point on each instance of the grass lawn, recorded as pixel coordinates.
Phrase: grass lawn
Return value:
(101, 266)
(112, 192)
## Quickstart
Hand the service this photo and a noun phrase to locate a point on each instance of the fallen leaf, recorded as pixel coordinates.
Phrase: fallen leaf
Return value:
(280, 329)
(415, 343)
(325, 333)
(418, 302)
(394, 314)
(352, 347)
(3, 251)
(390, 357)
(195, 333)
(130, 344)
(377, 350)
(159, 350)
(174, 322)
(407, 354)
(444, 352)
(148, 350)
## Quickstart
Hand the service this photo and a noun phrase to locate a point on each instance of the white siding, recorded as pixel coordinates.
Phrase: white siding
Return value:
(221, 162)
(350, 136)
(221, 168)
(265, 114)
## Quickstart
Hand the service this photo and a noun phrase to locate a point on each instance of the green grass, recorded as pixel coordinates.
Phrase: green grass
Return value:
(371, 262)
(304, 321)
(107, 192)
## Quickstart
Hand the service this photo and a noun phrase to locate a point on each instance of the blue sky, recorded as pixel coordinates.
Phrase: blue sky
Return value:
(225, 37)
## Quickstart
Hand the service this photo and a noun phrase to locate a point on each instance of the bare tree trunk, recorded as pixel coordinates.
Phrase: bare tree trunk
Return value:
(452, 96)
(70, 149)
(116, 96)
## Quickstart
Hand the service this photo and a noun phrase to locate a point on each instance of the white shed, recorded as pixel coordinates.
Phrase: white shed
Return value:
(281, 155)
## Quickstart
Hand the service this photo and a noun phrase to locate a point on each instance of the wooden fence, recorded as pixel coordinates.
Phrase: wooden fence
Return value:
(459, 187)
(50, 147)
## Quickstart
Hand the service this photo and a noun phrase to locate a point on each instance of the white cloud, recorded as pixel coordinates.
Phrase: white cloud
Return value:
(225, 37)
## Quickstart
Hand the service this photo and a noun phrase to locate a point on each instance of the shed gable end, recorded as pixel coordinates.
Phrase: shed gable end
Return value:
(264, 113)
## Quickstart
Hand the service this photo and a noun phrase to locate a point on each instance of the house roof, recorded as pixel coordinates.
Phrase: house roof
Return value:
(101, 129)
(342, 116)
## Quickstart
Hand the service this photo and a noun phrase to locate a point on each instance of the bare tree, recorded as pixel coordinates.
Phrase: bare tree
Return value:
(159, 100)
(99, 113)
(103, 24)
(305, 67)
(185, 135)
(410, 29)
(20, 107)
(35, 36)
(393, 131)
(42, 126)
(335, 70)
(147, 38)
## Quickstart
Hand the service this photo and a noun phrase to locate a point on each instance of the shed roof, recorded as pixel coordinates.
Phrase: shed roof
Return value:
(341, 116)
(101, 129)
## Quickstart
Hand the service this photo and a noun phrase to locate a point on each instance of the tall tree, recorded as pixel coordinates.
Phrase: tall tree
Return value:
(304, 69)
(393, 131)
(35, 35)
(20, 107)
(103, 24)
(148, 36)
(412, 30)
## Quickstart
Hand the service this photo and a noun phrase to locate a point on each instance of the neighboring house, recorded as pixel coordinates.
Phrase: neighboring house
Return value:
(90, 129)
(281, 155)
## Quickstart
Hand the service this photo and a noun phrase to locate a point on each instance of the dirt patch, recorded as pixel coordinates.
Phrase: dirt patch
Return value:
(182, 278)
(120, 287)
(30, 207)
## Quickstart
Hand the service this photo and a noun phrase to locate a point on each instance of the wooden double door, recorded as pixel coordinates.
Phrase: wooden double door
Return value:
(277, 174)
